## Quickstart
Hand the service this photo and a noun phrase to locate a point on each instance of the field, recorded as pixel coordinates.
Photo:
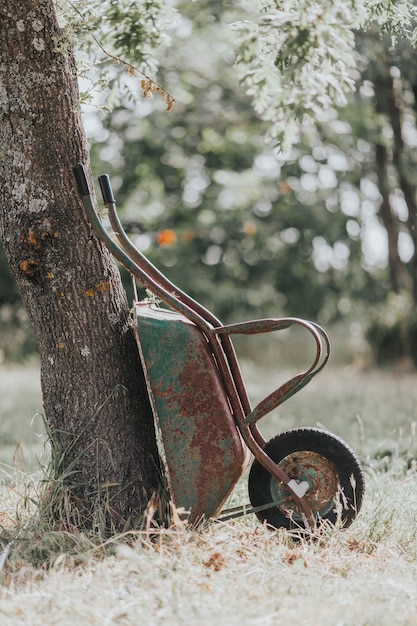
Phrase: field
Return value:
(236, 572)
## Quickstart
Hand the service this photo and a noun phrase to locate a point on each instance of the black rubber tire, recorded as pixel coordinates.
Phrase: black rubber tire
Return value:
(297, 452)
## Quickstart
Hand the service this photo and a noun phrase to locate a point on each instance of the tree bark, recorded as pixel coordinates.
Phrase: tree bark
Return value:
(104, 442)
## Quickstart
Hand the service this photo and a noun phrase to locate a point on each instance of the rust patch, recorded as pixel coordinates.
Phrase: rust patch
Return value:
(89, 293)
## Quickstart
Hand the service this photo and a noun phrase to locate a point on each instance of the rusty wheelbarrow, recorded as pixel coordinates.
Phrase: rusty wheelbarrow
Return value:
(207, 428)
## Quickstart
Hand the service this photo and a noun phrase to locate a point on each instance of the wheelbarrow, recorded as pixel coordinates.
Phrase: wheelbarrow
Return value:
(207, 429)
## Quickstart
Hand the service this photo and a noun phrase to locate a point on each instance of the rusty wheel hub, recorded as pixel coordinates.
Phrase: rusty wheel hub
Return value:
(316, 477)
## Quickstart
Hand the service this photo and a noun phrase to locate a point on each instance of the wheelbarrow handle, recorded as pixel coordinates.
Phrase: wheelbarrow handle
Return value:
(162, 290)
(255, 327)
(106, 189)
(294, 384)
(81, 180)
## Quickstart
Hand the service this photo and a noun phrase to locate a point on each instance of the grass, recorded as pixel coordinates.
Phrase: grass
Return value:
(21, 425)
(237, 572)
(229, 574)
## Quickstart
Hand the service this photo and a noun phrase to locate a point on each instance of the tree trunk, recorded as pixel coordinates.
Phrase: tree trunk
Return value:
(385, 105)
(104, 442)
(397, 270)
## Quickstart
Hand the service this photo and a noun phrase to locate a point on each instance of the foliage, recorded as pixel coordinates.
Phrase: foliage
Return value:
(134, 30)
(297, 57)
(109, 37)
(297, 61)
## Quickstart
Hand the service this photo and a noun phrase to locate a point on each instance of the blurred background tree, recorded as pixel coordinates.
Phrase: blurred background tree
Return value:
(323, 230)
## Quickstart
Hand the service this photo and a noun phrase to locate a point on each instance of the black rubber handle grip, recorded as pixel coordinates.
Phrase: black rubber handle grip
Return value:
(81, 178)
(106, 190)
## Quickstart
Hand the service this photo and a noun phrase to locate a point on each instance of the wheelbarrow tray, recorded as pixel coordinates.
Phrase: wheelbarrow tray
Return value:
(202, 449)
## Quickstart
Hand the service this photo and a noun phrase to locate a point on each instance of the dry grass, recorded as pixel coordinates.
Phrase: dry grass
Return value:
(235, 573)
(240, 573)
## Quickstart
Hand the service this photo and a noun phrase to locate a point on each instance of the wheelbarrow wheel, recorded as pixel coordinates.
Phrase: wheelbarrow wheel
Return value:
(326, 471)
